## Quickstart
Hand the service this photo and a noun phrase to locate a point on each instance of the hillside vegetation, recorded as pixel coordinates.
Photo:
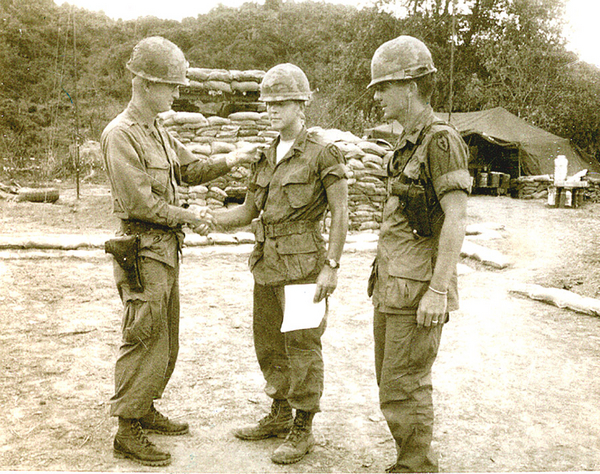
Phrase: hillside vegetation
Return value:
(63, 71)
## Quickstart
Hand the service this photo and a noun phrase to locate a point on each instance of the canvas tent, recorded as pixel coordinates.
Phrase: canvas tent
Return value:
(509, 144)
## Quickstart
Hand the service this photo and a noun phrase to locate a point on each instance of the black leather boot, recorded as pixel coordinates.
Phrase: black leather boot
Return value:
(156, 422)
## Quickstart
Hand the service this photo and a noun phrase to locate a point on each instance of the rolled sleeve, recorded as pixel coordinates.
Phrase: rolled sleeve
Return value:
(332, 165)
(458, 180)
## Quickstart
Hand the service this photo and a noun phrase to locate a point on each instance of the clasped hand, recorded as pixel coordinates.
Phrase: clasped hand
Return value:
(246, 153)
(203, 221)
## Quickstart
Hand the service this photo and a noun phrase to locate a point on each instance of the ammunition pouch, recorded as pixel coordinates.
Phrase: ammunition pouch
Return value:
(414, 205)
(125, 251)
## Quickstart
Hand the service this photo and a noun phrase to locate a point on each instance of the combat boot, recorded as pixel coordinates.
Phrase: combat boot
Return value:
(132, 443)
(298, 442)
(156, 422)
(277, 423)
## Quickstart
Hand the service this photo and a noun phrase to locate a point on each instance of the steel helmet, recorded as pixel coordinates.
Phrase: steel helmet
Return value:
(404, 57)
(157, 59)
(284, 82)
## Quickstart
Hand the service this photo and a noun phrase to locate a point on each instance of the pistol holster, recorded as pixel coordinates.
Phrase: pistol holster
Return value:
(125, 251)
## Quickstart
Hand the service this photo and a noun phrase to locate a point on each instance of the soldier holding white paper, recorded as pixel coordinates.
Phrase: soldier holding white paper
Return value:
(292, 185)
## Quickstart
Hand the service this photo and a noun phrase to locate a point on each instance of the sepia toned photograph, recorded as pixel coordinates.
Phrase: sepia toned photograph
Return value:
(300, 236)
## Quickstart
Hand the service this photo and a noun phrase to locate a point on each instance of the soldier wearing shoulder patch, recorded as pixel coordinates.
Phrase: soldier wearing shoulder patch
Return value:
(292, 185)
(414, 281)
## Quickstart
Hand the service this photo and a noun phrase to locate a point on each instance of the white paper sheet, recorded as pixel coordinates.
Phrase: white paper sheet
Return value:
(300, 311)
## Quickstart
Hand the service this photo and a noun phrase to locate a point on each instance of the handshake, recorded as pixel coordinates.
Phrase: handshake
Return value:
(203, 221)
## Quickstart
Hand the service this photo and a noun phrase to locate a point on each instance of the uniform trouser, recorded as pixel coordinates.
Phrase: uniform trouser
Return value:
(150, 338)
(291, 362)
(404, 356)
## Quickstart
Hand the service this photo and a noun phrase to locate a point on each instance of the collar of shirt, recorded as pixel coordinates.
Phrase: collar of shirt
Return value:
(134, 116)
(421, 121)
(299, 145)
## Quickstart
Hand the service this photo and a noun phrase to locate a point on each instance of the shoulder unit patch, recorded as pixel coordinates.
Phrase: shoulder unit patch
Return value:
(442, 141)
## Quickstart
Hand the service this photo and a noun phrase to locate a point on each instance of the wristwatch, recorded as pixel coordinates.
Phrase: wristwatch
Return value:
(331, 262)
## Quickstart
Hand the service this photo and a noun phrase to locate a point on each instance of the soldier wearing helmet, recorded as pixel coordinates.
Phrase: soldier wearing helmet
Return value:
(293, 183)
(145, 165)
(413, 283)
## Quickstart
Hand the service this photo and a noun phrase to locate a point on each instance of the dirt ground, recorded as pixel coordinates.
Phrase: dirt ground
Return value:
(516, 382)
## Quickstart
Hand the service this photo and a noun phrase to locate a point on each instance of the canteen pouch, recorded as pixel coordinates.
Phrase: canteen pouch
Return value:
(125, 252)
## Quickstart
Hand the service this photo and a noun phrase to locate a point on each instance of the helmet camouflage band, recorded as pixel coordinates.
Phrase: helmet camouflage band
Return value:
(284, 82)
(404, 57)
(157, 59)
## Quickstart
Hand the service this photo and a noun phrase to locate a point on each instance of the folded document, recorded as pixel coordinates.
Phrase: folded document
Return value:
(300, 310)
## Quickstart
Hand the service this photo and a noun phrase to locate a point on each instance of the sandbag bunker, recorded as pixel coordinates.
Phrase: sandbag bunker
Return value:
(212, 136)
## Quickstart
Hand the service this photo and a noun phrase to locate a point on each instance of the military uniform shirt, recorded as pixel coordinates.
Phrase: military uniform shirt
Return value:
(145, 164)
(405, 263)
(293, 190)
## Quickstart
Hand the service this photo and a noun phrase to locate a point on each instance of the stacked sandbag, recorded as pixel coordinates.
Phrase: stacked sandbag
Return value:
(366, 184)
(224, 82)
(198, 131)
(213, 137)
(531, 187)
(592, 192)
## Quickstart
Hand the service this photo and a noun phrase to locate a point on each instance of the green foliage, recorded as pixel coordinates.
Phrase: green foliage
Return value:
(57, 61)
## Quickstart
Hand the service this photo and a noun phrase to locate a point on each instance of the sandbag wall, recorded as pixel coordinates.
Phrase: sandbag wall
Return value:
(211, 137)
(366, 185)
(223, 81)
(592, 192)
(531, 187)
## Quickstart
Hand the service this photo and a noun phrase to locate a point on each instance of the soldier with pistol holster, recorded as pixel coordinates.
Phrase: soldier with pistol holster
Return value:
(145, 164)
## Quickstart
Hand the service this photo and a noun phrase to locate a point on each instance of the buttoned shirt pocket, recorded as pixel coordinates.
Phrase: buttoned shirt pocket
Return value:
(298, 186)
(261, 189)
(301, 254)
(159, 174)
